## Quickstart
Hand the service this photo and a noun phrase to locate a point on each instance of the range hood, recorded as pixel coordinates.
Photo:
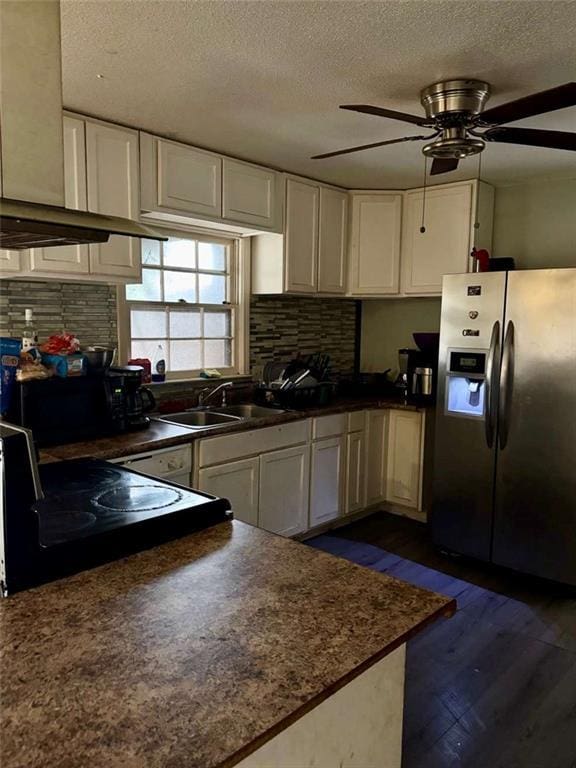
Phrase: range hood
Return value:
(32, 209)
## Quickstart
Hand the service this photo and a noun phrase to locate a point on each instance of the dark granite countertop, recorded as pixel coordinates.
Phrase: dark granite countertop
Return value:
(192, 654)
(161, 435)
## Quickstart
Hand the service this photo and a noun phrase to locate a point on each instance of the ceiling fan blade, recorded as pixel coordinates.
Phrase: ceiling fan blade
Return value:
(369, 146)
(381, 112)
(533, 137)
(535, 104)
(443, 165)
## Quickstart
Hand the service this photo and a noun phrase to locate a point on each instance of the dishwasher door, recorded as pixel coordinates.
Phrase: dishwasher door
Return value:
(171, 464)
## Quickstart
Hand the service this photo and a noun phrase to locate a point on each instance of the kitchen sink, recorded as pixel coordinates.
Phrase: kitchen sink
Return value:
(248, 411)
(217, 417)
(199, 419)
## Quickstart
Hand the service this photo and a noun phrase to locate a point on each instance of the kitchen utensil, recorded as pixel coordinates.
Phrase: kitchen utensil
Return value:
(99, 359)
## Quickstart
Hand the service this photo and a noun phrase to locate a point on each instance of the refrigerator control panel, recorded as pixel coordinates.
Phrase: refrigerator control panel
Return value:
(466, 383)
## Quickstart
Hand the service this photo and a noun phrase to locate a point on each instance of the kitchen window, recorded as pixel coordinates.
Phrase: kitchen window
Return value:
(188, 308)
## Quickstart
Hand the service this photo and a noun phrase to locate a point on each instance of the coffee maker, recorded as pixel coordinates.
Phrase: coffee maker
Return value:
(128, 401)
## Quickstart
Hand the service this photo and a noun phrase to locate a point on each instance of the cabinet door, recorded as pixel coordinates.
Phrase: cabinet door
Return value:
(112, 180)
(355, 498)
(10, 262)
(68, 259)
(332, 243)
(375, 244)
(238, 482)
(326, 480)
(404, 458)
(284, 488)
(376, 456)
(444, 247)
(250, 194)
(301, 238)
(189, 179)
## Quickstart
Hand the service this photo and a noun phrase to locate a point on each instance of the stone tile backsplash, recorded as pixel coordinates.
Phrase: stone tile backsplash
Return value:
(88, 310)
(280, 327)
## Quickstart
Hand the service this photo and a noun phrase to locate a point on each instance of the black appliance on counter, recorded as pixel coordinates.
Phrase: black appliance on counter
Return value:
(77, 408)
(61, 518)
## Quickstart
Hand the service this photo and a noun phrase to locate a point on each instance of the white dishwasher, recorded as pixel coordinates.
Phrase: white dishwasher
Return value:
(172, 464)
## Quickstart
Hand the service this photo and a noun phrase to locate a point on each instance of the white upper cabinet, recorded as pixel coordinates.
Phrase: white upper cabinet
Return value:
(180, 178)
(310, 257)
(10, 263)
(444, 247)
(68, 259)
(301, 237)
(113, 189)
(332, 243)
(251, 195)
(375, 243)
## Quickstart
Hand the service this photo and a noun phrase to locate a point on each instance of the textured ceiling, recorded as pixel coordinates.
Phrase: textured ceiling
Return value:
(263, 80)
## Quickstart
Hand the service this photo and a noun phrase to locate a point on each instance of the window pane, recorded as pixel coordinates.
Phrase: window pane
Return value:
(148, 323)
(212, 256)
(185, 324)
(148, 289)
(185, 355)
(180, 253)
(217, 353)
(150, 252)
(146, 348)
(179, 286)
(217, 324)
(212, 289)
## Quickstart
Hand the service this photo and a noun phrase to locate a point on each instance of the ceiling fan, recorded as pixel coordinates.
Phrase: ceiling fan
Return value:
(461, 127)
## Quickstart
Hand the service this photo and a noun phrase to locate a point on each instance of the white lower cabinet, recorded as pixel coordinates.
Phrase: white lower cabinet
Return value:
(355, 499)
(284, 486)
(238, 482)
(326, 476)
(404, 464)
(376, 456)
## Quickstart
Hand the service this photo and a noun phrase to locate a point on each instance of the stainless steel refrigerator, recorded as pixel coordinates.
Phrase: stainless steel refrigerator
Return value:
(505, 444)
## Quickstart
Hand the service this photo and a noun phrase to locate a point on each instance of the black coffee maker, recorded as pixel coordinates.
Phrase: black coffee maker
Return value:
(128, 401)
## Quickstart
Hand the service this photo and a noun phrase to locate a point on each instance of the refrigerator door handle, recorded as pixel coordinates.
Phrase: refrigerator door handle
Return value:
(506, 381)
(491, 400)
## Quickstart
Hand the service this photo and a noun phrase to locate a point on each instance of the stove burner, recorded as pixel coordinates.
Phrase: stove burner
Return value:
(138, 498)
(57, 527)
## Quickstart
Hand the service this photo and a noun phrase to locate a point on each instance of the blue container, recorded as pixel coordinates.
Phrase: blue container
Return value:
(9, 359)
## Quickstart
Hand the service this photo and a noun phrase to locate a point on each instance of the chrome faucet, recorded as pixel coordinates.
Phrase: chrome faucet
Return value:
(205, 394)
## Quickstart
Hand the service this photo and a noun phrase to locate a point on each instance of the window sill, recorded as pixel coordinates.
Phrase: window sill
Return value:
(202, 380)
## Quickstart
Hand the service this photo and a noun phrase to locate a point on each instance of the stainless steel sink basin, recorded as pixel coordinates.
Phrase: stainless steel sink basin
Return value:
(248, 411)
(199, 419)
(217, 417)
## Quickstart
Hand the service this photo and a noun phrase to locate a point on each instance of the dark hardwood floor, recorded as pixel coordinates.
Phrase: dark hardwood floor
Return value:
(493, 687)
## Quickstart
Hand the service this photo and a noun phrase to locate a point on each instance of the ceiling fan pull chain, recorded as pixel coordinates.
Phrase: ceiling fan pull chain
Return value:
(422, 226)
(476, 222)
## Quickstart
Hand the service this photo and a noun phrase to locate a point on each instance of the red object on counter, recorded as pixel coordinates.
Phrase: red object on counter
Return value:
(146, 365)
(482, 257)
(61, 344)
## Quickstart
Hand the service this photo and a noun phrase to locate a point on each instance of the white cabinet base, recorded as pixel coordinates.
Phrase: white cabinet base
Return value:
(360, 726)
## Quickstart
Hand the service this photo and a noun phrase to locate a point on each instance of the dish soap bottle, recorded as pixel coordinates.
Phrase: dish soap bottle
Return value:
(30, 334)
(159, 365)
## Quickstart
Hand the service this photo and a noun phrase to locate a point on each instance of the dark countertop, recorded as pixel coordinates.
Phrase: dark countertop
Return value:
(161, 435)
(192, 654)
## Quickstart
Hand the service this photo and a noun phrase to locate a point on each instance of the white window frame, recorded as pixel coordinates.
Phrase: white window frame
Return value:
(239, 301)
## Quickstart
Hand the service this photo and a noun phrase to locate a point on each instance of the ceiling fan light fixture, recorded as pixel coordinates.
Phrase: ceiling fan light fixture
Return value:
(455, 143)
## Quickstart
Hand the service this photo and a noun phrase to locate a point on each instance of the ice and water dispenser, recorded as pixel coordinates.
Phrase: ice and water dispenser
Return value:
(466, 382)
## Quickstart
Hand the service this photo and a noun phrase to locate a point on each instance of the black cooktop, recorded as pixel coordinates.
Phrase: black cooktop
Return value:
(88, 498)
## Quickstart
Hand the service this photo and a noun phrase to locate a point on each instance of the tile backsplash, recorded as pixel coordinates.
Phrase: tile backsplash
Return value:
(280, 327)
(88, 310)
